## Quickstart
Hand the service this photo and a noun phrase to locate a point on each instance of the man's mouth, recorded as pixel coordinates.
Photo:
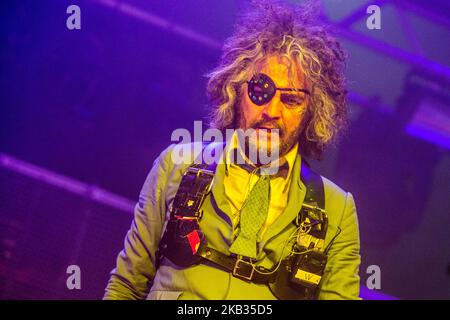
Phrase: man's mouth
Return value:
(268, 128)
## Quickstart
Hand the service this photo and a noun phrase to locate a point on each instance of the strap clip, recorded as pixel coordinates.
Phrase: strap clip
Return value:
(243, 269)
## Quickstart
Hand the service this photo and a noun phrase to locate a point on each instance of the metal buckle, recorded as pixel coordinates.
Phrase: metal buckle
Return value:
(237, 266)
(198, 171)
(313, 207)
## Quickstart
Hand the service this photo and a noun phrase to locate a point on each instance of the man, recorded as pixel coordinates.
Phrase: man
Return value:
(255, 235)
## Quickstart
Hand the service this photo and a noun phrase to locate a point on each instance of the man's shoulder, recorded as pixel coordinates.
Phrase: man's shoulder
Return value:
(179, 155)
(335, 197)
(333, 188)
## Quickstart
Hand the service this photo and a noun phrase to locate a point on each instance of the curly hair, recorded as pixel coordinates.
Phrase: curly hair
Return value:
(295, 32)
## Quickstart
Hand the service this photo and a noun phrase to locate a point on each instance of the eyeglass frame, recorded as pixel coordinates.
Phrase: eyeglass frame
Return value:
(267, 82)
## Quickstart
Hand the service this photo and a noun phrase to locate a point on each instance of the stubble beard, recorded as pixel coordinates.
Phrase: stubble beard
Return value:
(284, 145)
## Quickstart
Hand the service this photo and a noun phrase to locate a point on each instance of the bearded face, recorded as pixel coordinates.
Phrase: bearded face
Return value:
(278, 122)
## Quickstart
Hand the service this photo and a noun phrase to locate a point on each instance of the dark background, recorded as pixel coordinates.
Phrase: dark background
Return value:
(85, 112)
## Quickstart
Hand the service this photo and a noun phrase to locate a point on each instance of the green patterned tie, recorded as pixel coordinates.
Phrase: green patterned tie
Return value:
(252, 216)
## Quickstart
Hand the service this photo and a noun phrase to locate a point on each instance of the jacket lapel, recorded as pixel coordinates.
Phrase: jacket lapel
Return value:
(218, 199)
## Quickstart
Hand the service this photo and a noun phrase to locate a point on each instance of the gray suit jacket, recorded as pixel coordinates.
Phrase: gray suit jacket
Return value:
(135, 276)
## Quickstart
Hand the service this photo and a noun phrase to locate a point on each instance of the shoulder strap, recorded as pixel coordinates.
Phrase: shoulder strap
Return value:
(313, 207)
(195, 184)
(314, 186)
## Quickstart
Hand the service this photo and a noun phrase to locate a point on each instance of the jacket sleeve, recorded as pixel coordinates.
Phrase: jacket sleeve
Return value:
(341, 278)
(135, 266)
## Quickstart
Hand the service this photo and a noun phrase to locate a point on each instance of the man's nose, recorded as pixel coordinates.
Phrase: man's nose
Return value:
(272, 108)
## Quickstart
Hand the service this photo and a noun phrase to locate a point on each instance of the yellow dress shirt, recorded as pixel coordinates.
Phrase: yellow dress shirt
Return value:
(238, 182)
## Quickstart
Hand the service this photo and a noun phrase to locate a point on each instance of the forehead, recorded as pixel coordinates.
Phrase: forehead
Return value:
(282, 70)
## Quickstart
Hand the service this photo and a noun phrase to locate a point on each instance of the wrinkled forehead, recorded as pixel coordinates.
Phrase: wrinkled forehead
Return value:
(283, 71)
